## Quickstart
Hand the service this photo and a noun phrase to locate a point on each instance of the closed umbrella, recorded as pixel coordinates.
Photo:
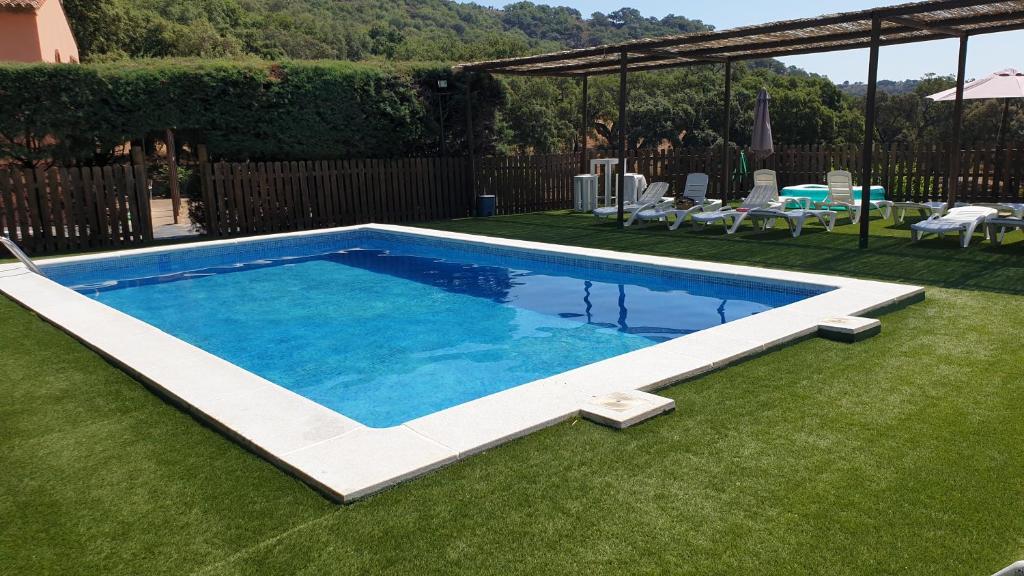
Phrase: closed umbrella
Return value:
(761, 144)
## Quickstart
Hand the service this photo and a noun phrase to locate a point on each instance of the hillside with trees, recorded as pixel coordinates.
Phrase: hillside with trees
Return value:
(672, 107)
(351, 30)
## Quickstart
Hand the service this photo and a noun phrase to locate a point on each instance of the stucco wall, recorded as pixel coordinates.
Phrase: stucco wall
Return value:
(55, 34)
(19, 39)
(27, 36)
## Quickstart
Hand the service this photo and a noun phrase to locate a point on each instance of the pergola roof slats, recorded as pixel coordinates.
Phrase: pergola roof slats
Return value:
(901, 24)
(612, 67)
(930, 27)
(905, 23)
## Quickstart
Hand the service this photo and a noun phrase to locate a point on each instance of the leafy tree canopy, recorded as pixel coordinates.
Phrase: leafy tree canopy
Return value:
(541, 115)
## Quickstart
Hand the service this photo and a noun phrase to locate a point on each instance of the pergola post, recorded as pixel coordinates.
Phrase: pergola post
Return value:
(470, 148)
(584, 125)
(621, 196)
(172, 173)
(869, 132)
(726, 129)
(958, 112)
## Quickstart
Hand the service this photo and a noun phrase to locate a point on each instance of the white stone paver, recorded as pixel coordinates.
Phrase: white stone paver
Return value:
(625, 409)
(347, 460)
(278, 422)
(849, 328)
(367, 460)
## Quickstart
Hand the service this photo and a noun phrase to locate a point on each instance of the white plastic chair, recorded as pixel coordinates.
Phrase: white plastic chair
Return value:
(840, 195)
(695, 190)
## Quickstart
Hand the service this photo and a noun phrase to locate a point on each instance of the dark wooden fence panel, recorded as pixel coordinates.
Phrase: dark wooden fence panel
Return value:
(69, 209)
(265, 197)
(523, 184)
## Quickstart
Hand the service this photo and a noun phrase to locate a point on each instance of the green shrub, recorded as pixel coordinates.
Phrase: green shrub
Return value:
(242, 110)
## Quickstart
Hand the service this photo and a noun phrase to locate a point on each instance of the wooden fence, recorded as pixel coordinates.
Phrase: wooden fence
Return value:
(907, 172)
(68, 209)
(523, 184)
(262, 197)
(254, 198)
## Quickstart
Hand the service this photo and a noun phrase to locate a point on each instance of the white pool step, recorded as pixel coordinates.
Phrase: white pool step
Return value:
(624, 409)
(849, 328)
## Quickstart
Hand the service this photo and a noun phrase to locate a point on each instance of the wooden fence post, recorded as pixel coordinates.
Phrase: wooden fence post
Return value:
(140, 192)
(209, 196)
(172, 173)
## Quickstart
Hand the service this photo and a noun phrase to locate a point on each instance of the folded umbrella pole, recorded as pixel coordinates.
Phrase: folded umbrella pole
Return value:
(761, 142)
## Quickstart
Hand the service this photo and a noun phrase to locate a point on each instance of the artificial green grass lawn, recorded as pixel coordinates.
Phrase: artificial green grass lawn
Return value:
(898, 454)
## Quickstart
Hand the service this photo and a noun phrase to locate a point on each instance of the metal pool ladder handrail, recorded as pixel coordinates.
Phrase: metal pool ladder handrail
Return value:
(13, 248)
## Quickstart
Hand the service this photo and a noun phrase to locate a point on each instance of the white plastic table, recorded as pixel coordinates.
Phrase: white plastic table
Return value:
(925, 209)
(609, 173)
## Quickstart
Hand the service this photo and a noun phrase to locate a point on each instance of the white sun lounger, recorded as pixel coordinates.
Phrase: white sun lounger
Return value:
(795, 219)
(696, 190)
(997, 227)
(731, 218)
(767, 177)
(1005, 209)
(963, 221)
(840, 195)
(925, 209)
(653, 195)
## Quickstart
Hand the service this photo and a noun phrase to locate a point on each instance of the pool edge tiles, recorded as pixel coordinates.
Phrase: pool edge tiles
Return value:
(346, 460)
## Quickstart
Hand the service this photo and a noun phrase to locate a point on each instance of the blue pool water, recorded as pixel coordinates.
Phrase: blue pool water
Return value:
(384, 331)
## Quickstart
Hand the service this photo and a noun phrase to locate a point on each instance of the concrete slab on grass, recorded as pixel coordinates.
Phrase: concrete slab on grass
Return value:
(849, 328)
(624, 409)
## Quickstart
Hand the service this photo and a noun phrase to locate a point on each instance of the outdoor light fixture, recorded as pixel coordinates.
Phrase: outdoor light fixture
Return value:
(442, 86)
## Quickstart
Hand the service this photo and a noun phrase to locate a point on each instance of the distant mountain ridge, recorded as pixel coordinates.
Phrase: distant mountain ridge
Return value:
(893, 87)
(349, 29)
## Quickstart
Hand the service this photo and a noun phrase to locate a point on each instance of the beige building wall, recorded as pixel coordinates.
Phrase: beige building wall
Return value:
(55, 35)
(41, 35)
(19, 36)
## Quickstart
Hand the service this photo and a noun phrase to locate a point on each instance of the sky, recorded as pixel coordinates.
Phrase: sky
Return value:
(986, 53)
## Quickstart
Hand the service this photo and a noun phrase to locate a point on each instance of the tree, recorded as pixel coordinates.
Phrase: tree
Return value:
(384, 41)
(541, 115)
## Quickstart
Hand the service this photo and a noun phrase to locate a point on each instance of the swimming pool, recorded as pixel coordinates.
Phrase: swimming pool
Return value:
(384, 328)
(356, 358)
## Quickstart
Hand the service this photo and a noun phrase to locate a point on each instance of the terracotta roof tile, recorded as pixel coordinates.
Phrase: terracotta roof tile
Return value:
(24, 4)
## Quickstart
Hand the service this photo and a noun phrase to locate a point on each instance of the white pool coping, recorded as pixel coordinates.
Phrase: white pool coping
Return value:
(347, 460)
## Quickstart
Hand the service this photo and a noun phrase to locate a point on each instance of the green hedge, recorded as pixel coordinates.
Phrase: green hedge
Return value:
(241, 110)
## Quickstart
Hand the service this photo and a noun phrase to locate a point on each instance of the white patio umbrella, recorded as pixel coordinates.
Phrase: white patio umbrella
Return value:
(1007, 83)
(1004, 84)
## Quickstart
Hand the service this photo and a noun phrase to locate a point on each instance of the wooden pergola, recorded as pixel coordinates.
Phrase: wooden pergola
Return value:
(872, 29)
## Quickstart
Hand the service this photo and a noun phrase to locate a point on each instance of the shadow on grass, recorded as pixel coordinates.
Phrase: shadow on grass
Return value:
(890, 256)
